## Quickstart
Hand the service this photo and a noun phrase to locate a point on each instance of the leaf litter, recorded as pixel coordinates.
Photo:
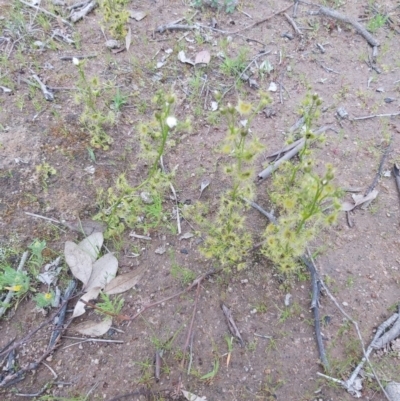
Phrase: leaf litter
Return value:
(96, 274)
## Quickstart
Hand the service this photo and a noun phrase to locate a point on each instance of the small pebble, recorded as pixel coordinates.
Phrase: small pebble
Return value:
(345, 304)
(184, 251)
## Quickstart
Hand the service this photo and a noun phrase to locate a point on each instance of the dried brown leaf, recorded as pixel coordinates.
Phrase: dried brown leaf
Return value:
(202, 57)
(80, 306)
(78, 261)
(104, 270)
(359, 200)
(92, 244)
(137, 15)
(124, 282)
(94, 329)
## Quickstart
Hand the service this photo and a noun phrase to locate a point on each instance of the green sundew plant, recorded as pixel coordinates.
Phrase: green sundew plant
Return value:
(228, 239)
(45, 171)
(125, 206)
(94, 116)
(308, 201)
(116, 16)
(378, 21)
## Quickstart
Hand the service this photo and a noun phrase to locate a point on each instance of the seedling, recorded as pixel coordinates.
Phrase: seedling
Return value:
(211, 375)
(45, 171)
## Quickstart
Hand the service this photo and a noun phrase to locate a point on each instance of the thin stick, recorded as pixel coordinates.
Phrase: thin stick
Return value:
(376, 115)
(261, 21)
(380, 168)
(46, 12)
(268, 215)
(34, 331)
(349, 385)
(195, 282)
(316, 289)
(294, 25)
(99, 340)
(68, 58)
(43, 217)
(10, 294)
(328, 12)
(190, 330)
(190, 354)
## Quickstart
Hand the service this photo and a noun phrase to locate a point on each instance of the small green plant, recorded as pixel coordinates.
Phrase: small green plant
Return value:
(94, 116)
(109, 306)
(182, 274)
(214, 371)
(308, 201)
(228, 5)
(235, 66)
(140, 206)
(45, 171)
(44, 300)
(116, 16)
(118, 101)
(13, 280)
(36, 259)
(228, 239)
(378, 21)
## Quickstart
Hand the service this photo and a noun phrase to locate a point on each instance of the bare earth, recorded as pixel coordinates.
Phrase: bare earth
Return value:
(361, 264)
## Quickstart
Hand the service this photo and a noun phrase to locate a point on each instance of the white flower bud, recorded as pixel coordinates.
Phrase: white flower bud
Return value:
(171, 121)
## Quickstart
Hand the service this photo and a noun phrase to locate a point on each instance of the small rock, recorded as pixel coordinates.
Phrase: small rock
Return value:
(393, 390)
(342, 113)
(269, 112)
(345, 304)
(245, 281)
(272, 87)
(380, 90)
(112, 44)
(287, 299)
(184, 251)
(389, 99)
(161, 249)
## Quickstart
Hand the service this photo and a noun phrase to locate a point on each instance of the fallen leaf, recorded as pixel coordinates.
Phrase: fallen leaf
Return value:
(183, 59)
(359, 200)
(124, 282)
(137, 15)
(193, 397)
(78, 261)
(272, 87)
(87, 227)
(80, 306)
(92, 244)
(202, 57)
(104, 270)
(94, 329)
(5, 89)
(128, 38)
